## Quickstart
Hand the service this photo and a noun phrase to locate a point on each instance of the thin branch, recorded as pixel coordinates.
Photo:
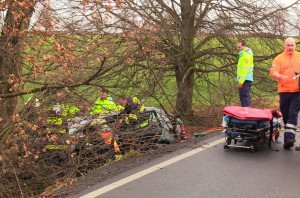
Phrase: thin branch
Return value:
(86, 82)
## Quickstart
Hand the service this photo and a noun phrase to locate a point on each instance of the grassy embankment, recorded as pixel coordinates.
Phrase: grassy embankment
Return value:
(211, 89)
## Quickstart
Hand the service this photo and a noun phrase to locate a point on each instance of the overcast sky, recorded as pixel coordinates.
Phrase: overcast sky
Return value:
(59, 4)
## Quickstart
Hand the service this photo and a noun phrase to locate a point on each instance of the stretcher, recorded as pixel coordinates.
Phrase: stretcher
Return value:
(246, 127)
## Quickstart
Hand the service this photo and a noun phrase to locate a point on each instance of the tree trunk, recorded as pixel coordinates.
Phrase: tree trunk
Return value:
(15, 24)
(185, 86)
(184, 70)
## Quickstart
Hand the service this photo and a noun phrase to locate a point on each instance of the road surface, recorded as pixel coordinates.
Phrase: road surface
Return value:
(209, 171)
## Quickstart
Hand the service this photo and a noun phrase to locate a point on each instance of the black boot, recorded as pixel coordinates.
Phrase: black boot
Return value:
(289, 140)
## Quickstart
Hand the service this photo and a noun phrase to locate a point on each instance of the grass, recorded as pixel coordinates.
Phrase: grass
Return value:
(210, 88)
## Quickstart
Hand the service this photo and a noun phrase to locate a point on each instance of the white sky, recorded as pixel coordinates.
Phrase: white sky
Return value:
(59, 4)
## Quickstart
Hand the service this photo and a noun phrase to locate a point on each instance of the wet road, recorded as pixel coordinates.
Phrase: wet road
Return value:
(211, 172)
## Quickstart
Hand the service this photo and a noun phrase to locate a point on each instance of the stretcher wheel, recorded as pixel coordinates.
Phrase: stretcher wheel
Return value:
(228, 141)
(256, 146)
(252, 148)
(276, 136)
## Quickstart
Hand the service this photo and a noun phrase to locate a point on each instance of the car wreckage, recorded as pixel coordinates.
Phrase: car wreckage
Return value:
(102, 134)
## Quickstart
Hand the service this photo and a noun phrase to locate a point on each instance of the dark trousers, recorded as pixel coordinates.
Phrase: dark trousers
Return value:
(244, 94)
(290, 107)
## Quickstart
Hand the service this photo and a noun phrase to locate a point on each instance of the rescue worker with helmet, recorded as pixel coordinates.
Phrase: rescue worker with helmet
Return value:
(286, 69)
(128, 120)
(133, 112)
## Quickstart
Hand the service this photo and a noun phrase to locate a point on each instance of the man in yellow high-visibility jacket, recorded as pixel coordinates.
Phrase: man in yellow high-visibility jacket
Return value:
(61, 113)
(104, 104)
(244, 73)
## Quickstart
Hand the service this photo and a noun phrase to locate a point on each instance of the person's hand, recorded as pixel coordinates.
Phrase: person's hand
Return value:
(285, 78)
(297, 77)
(239, 86)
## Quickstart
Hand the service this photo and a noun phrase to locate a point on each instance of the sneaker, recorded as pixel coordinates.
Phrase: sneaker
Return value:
(297, 148)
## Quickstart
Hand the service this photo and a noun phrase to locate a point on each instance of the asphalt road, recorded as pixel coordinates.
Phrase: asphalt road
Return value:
(212, 172)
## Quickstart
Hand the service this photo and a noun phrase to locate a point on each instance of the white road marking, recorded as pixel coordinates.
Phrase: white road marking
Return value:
(147, 171)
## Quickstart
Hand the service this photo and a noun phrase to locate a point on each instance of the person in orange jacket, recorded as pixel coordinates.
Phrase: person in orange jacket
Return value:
(286, 69)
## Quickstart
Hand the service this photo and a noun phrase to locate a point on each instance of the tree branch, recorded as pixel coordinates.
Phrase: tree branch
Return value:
(86, 82)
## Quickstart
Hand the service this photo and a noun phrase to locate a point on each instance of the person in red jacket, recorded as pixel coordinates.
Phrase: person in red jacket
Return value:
(286, 69)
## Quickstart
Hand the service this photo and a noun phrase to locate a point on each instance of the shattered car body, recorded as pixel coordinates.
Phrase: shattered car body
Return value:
(172, 127)
(100, 132)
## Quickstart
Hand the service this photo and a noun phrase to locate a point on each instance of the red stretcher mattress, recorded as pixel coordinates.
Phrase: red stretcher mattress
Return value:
(247, 113)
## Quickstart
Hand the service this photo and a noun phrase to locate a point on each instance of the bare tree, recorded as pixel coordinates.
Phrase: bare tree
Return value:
(123, 46)
(16, 23)
(68, 46)
(198, 36)
(56, 53)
